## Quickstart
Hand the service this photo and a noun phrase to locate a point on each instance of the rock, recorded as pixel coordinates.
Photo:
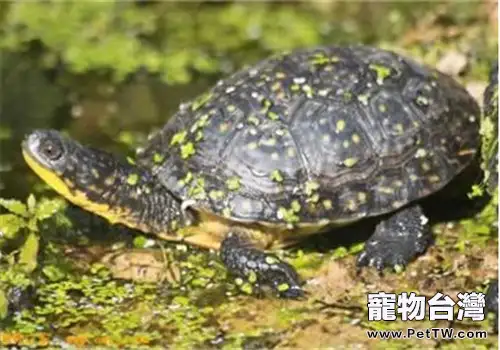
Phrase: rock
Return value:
(476, 89)
(452, 63)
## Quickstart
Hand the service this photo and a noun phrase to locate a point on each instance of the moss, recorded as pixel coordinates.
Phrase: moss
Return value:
(132, 179)
(276, 176)
(158, 158)
(187, 150)
(178, 138)
(381, 71)
(233, 183)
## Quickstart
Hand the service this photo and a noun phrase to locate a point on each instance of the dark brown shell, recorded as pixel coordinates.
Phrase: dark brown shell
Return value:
(331, 133)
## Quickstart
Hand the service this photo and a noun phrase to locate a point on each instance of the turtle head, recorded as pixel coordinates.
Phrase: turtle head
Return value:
(75, 171)
(52, 156)
(101, 183)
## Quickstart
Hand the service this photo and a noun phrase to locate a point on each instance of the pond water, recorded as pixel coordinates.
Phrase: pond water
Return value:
(92, 110)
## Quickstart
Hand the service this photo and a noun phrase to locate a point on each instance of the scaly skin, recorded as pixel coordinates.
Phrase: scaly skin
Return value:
(397, 240)
(258, 267)
(130, 195)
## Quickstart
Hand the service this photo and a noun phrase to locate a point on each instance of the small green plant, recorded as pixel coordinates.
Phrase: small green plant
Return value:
(21, 222)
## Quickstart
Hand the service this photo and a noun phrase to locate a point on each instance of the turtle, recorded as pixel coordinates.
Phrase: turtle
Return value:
(490, 149)
(302, 142)
(490, 167)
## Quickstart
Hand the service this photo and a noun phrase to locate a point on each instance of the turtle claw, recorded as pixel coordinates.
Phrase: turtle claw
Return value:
(397, 240)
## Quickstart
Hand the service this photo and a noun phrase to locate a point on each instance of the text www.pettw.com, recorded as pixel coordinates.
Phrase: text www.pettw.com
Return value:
(429, 333)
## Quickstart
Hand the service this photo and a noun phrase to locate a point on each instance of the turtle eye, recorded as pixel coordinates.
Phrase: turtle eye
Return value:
(51, 150)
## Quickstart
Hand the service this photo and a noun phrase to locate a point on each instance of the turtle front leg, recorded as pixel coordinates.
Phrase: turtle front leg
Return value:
(258, 267)
(397, 240)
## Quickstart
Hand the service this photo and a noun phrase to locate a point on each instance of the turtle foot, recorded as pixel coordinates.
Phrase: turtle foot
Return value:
(257, 268)
(397, 240)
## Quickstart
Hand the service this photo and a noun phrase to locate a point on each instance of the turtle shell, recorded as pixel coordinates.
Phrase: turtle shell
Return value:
(325, 134)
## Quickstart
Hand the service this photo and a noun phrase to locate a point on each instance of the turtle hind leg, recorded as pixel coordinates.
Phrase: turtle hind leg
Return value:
(397, 240)
(258, 267)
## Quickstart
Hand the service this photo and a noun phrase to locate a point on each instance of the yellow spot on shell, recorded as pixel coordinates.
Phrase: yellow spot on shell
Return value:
(382, 108)
(199, 135)
(362, 197)
(386, 190)
(187, 179)
(215, 195)
(399, 128)
(253, 120)
(272, 115)
(110, 180)
(340, 125)
(178, 138)
(398, 183)
(233, 183)
(283, 287)
(276, 176)
(350, 162)
(327, 204)
(310, 187)
(355, 138)
(269, 142)
(351, 205)
(187, 150)
(434, 178)
(290, 215)
(252, 145)
(421, 153)
(226, 212)
(158, 158)
(295, 206)
(132, 179)
(313, 199)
